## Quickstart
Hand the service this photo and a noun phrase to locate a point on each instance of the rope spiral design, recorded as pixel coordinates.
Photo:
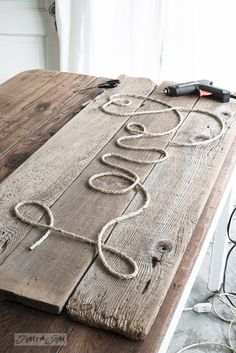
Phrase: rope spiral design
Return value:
(137, 131)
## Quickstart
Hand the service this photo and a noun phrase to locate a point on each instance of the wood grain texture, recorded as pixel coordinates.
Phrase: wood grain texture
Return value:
(20, 88)
(39, 132)
(82, 338)
(17, 318)
(28, 320)
(21, 121)
(46, 277)
(31, 109)
(179, 189)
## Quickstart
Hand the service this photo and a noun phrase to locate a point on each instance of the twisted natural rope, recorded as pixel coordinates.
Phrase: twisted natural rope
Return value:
(50, 227)
(137, 131)
(223, 298)
(116, 99)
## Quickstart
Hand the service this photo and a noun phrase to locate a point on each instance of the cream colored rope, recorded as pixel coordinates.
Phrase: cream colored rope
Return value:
(50, 227)
(121, 100)
(137, 131)
(223, 298)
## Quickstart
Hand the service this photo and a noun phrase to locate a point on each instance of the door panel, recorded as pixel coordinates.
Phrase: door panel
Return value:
(19, 53)
(28, 38)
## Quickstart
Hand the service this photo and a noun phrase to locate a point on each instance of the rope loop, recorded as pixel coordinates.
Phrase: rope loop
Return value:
(99, 244)
(121, 100)
(137, 131)
(36, 224)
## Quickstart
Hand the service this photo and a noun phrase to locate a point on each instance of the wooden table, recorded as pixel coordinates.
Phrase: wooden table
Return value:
(48, 99)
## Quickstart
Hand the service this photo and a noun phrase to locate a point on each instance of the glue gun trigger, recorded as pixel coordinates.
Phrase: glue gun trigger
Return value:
(203, 93)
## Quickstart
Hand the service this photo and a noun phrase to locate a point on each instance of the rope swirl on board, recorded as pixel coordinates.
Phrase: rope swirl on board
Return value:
(137, 131)
(116, 99)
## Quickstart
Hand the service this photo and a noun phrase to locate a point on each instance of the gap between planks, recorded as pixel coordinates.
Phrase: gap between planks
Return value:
(82, 334)
(50, 198)
(30, 108)
(105, 313)
(34, 233)
(38, 135)
(164, 84)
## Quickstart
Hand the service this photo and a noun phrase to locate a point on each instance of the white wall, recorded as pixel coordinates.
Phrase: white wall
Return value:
(199, 42)
(28, 39)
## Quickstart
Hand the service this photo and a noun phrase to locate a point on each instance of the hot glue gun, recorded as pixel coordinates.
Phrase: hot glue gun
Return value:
(202, 88)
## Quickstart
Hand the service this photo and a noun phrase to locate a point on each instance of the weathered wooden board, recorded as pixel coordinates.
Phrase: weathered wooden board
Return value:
(49, 120)
(81, 338)
(60, 264)
(15, 124)
(22, 87)
(46, 276)
(157, 240)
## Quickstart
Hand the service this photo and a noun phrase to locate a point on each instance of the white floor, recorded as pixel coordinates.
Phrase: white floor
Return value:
(194, 327)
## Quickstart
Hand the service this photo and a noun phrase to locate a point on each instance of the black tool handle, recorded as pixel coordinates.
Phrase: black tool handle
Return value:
(109, 84)
(220, 94)
(185, 88)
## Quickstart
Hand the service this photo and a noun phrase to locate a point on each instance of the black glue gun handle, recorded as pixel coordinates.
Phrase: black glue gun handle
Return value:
(220, 94)
(185, 88)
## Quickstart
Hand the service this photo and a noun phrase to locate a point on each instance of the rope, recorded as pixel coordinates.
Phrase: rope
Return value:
(200, 344)
(222, 297)
(50, 227)
(137, 131)
(116, 99)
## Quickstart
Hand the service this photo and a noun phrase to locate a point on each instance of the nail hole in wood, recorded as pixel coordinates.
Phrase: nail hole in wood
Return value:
(41, 107)
(154, 261)
(164, 246)
(146, 286)
(3, 246)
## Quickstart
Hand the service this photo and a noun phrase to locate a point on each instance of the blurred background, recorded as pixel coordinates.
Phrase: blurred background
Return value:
(161, 39)
(177, 40)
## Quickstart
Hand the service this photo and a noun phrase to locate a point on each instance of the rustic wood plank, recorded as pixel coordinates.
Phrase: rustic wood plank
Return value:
(21, 86)
(80, 337)
(73, 210)
(203, 226)
(179, 189)
(47, 174)
(24, 87)
(36, 109)
(20, 89)
(23, 83)
(54, 121)
(17, 318)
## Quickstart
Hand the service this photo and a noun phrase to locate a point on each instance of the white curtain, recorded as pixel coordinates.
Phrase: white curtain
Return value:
(111, 37)
(178, 40)
(199, 42)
